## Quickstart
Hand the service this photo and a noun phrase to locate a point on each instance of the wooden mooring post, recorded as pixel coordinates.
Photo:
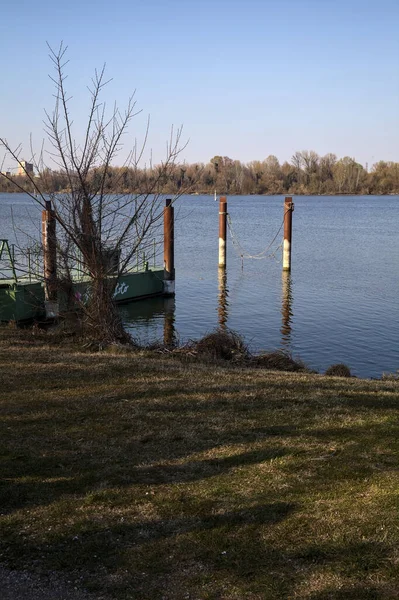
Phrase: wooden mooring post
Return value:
(49, 242)
(288, 210)
(222, 231)
(169, 249)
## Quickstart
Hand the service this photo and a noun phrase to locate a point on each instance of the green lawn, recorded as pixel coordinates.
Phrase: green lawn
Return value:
(146, 477)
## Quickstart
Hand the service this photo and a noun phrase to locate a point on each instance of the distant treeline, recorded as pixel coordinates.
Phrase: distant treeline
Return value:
(306, 173)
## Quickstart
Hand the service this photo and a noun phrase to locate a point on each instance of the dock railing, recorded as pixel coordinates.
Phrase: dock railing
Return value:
(7, 258)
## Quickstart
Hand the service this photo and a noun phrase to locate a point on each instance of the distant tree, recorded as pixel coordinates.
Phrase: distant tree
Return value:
(384, 177)
(348, 175)
(326, 170)
(289, 177)
(272, 176)
(256, 169)
(217, 162)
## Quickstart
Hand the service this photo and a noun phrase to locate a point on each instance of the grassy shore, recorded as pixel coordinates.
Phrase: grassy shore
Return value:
(143, 476)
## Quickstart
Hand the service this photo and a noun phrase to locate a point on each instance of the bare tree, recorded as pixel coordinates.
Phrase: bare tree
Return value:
(97, 225)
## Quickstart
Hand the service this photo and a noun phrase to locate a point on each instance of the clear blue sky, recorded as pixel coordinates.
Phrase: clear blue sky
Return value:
(246, 78)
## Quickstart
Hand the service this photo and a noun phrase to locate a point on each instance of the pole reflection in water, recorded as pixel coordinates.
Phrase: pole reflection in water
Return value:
(286, 308)
(151, 320)
(169, 330)
(223, 304)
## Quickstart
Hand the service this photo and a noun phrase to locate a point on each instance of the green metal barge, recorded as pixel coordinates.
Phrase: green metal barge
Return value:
(23, 298)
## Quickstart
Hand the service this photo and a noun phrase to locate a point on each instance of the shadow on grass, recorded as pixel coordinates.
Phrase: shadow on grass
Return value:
(196, 470)
(148, 552)
(235, 550)
(275, 392)
(29, 481)
(73, 447)
(367, 555)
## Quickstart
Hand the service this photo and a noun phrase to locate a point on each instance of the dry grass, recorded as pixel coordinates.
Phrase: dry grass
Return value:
(222, 345)
(142, 477)
(338, 370)
(279, 360)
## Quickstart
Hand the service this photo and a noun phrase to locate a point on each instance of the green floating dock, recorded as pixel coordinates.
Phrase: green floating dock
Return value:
(23, 300)
(134, 285)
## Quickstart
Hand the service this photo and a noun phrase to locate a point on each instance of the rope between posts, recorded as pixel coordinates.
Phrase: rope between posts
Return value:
(243, 253)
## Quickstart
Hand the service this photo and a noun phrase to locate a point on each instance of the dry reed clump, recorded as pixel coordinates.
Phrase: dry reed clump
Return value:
(222, 345)
(75, 324)
(390, 376)
(279, 360)
(338, 370)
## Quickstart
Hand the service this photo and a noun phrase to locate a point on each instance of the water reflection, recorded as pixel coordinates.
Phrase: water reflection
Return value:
(151, 320)
(223, 303)
(286, 308)
(169, 330)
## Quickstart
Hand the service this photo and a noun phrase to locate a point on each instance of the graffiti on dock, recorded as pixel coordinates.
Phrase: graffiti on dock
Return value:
(121, 289)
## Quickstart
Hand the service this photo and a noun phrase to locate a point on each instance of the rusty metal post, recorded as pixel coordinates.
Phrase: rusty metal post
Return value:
(288, 210)
(169, 249)
(49, 253)
(222, 231)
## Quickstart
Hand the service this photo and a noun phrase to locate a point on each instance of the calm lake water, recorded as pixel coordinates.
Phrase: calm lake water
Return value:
(340, 303)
